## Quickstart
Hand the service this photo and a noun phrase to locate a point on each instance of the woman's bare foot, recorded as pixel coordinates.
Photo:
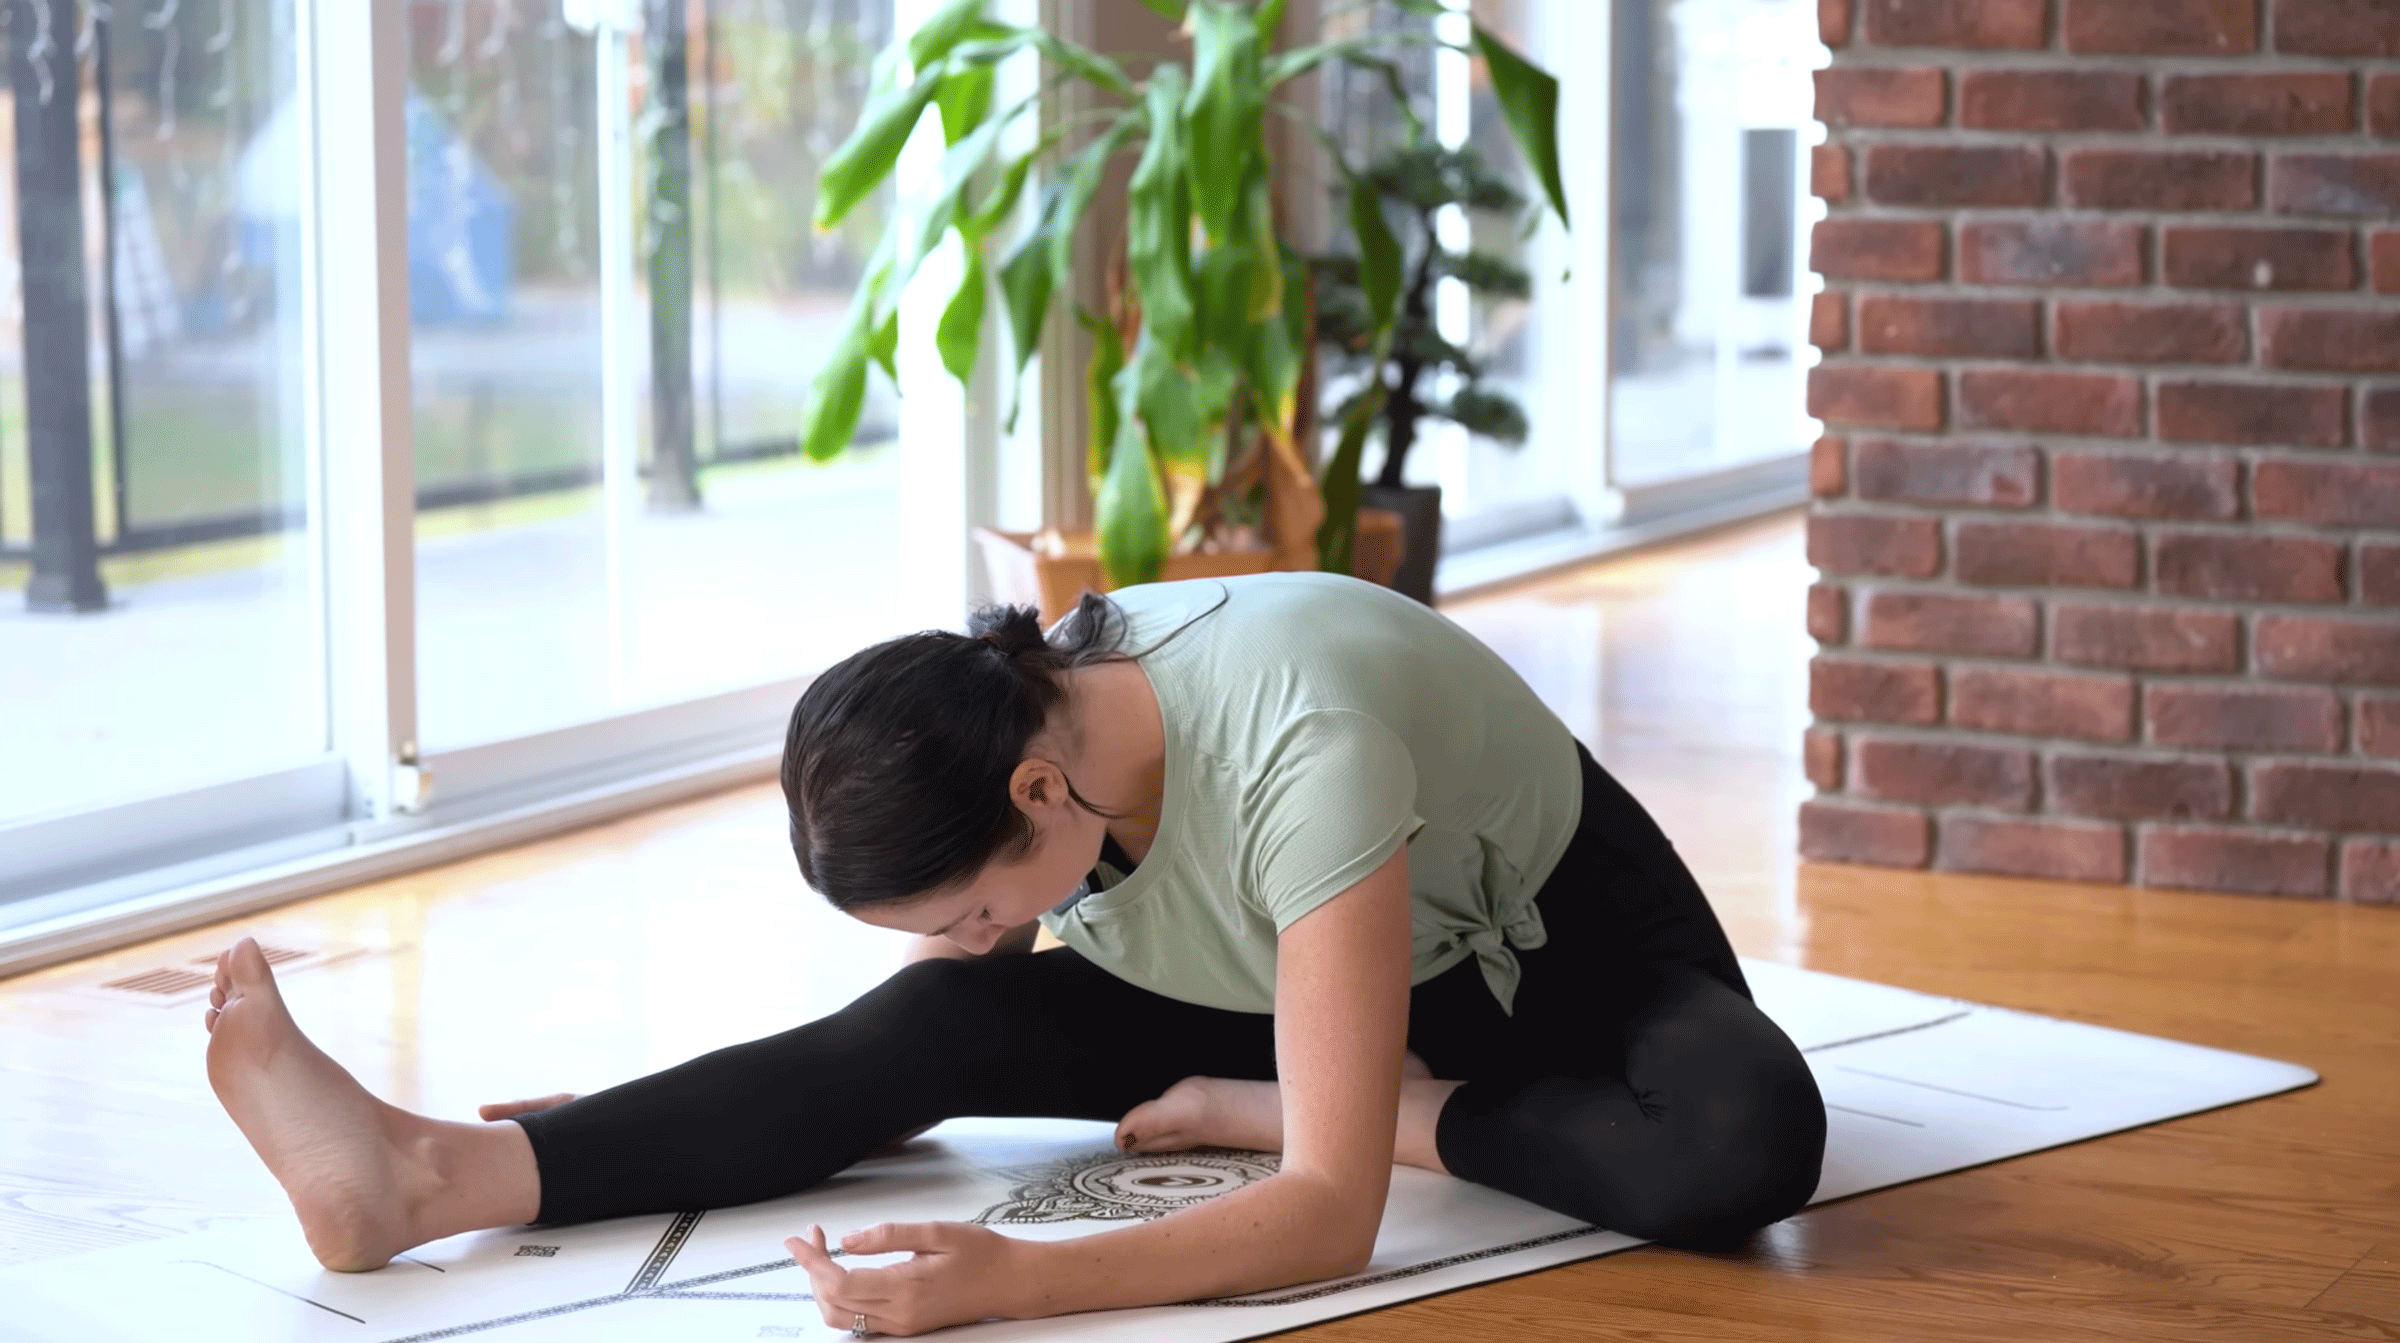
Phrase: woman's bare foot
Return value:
(1226, 1112)
(368, 1180)
(1207, 1112)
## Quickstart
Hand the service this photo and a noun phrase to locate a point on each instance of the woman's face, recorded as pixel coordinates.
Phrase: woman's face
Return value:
(1010, 893)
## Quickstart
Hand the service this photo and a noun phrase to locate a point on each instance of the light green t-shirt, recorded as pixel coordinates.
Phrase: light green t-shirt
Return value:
(1314, 724)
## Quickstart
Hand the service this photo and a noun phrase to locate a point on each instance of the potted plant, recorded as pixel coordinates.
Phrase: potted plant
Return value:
(1202, 376)
(1417, 181)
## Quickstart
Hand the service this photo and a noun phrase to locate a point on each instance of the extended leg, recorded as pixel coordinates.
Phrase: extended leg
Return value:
(1029, 1035)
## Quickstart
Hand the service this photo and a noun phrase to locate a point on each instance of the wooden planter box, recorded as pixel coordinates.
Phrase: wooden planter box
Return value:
(1053, 578)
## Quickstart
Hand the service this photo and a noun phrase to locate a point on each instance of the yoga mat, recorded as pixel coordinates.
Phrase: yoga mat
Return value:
(1914, 1085)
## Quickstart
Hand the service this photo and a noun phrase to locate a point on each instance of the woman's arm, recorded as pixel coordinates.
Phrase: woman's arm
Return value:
(1341, 1027)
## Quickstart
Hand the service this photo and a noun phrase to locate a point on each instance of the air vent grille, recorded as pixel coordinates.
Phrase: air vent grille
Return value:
(176, 985)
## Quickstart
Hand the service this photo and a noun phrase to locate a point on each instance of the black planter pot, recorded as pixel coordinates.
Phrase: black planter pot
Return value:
(1421, 507)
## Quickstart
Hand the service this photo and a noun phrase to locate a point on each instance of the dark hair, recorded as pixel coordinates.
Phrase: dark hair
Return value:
(897, 763)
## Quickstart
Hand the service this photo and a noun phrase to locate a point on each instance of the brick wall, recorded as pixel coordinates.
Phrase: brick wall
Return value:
(2108, 513)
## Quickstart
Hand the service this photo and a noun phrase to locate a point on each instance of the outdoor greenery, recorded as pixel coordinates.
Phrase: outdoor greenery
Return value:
(1203, 366)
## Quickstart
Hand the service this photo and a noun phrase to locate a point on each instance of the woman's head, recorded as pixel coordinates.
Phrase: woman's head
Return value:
(909, 768)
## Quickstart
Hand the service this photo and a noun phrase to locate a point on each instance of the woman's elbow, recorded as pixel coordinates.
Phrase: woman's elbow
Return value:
(1342, 1239)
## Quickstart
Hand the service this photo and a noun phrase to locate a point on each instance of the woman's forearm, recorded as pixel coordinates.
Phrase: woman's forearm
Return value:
(1295, 1227)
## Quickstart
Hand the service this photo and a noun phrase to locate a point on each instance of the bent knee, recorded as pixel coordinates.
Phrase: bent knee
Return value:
(1725, 1178)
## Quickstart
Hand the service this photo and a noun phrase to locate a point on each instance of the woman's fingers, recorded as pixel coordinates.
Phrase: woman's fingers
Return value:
(511, 1109)
(899, 1238)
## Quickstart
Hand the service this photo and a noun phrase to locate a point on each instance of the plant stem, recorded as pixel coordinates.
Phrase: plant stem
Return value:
(1403, 410)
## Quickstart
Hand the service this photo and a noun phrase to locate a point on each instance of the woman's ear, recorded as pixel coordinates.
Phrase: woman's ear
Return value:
(1037, 784)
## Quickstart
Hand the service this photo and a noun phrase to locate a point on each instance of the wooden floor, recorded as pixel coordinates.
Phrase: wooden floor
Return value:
(575, 962)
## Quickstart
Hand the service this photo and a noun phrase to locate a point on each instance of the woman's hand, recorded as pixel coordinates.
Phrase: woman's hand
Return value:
(961, 1274)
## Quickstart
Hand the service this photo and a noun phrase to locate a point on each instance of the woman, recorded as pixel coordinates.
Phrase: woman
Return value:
(1288, 827)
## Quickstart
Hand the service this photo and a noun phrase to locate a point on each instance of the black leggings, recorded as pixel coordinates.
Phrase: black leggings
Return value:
(1635, 1086)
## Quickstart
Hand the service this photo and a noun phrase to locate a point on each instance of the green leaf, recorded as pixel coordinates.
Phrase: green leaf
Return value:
(1482, 411)
(837, 395)
(1163, 395)
(964, 98)
(1378, 253)
(995, 208)
(959, 335)
(866, 158)
(1166, 9)
(1025, 288)
(949, 26)
(1090, 65)
(884, 346)
(1078, 186)
(1223, 110)
(1266, 279)
(1337, 536)
(1158, 216)
(1270, 21)
(1100, 393)
(1529, 101)
(1131, 511)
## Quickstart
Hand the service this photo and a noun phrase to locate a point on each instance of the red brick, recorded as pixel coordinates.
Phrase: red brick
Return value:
(2358, 186)
(2379, 425)
(2003, 24)
(1821, 756)
(1839, 832)
(2045, 554)
(1883, 95)
(2379, 725)
(1942, 774)
(1829, 321)
(2256, 258)
(1969, 474)
(2371, 871)
(2051, 100)
(1833, 22)
(2114, 486)
(1968, 327)
(2146, 638)
(2307, 648)
(2162, 27)
(2298, 103)
(2326, 797)
(2247, 861)
(1877, 249)
(2247, 567)
(2250, 718)
(2383, 106)
(2338, 27)
(1829, 172)
(2329, 494)
(2264, 413)
(1958, 175)
(2050, 850)
(2087, 253)
(2133, 788)
(2042, 703)
(2383, 262)
(1875, 397)
(2153, 333)
(1828, 471)
(1932, 622)
(1849, 690)
(1867, 543)
(2141, 179)
(2379, 574)
(2045, 401)
(1828, 613)
(2337, 340)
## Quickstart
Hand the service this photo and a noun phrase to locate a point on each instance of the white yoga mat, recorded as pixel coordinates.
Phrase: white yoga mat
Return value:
(1914, 1086)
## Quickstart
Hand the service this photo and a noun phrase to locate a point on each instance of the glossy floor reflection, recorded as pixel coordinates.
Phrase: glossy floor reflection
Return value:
(578, 961)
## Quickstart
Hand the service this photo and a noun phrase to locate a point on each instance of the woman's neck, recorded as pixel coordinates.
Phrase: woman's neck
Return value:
(1116, 749)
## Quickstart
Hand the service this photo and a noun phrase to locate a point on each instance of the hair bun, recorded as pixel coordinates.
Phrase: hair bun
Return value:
(1014, 630)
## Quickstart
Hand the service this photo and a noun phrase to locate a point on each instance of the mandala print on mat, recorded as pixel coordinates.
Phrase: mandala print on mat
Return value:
(1115, 1187)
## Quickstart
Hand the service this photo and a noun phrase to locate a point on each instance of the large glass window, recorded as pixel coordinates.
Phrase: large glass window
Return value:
(159, 610)
(613, 511)
(1708, 343)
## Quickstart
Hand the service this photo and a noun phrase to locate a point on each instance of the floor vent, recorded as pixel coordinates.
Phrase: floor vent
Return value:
(178, 985)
